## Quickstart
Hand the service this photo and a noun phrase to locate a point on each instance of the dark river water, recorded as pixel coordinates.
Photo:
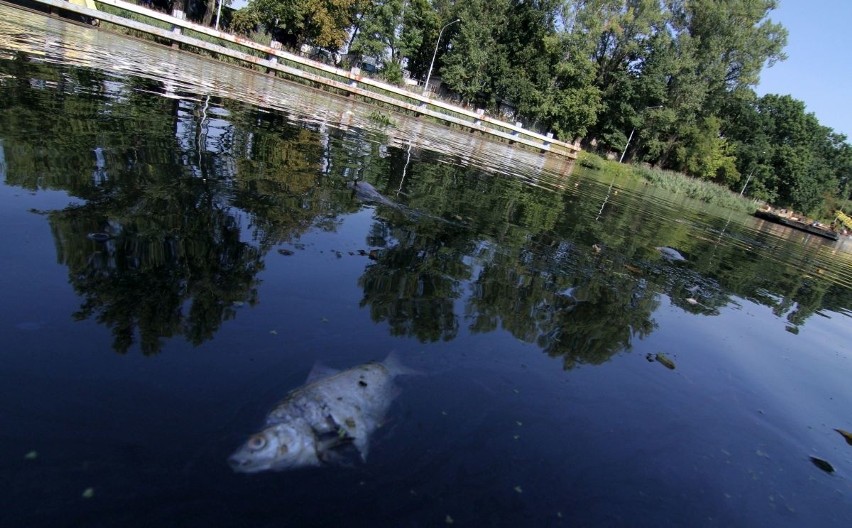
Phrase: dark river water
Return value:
(181, 246)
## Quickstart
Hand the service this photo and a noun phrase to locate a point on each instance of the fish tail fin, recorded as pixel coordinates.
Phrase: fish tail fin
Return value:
(396, 368)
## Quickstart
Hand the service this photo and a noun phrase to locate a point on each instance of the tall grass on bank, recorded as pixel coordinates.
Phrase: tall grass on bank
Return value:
(674, 182)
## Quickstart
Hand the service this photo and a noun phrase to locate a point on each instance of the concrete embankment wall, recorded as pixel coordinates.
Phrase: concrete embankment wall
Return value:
(198, 38)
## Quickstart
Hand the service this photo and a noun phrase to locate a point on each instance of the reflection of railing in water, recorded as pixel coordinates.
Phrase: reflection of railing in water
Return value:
(350, 82)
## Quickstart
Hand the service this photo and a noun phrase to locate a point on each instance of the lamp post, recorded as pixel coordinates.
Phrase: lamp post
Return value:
(746, 183)
(438, 43)
(750, 175)
(626, 145)
(631, 135)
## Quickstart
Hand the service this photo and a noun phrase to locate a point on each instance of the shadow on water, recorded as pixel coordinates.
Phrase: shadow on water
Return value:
(187, 219)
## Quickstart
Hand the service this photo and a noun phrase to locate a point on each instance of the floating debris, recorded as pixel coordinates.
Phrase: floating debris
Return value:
(32, 455)
(822, 464)
(596, 248)
(285, 252)
(88, 493)
(633, 269)
(273, 332)
(690, 300)
(99, 237)
(846, 434)
(662, 359)
(448, 520)
(518, 489)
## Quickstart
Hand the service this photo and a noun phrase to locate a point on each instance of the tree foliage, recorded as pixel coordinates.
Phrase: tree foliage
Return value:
(670, 82)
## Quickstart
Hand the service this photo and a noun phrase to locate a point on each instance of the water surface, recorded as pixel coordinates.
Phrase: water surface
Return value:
(181, 247)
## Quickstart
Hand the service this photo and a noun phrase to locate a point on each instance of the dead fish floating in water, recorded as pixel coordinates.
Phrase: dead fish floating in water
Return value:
(99, 237)
(365, 192)
(319, 423)
(671, 254)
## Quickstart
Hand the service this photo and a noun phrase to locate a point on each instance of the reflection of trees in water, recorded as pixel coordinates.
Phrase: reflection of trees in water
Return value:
(416, 279)
(567, 299)
(164, 273)
(180, 190)
(158, 178)
(510, 271)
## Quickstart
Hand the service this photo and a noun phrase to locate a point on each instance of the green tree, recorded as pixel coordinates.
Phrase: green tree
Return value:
(469, 66)
(295, 22)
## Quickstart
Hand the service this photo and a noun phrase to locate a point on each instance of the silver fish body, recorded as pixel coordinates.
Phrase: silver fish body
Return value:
(318, 423)
(671, 254)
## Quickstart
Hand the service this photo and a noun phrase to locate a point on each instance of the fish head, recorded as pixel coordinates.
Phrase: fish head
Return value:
(279, 447)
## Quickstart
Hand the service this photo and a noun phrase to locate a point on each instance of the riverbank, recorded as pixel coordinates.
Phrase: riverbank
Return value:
(674, 182)
(194, 38)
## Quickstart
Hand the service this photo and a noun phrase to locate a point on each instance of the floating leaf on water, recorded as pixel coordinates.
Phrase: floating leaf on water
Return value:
(822, 464)
(633, 269)
(846, 434)
(665, 361)
(88, 493)
(519, 423)
(518, 489)
(448, 520)
(516, 437)
(32, 455)
(273, 332)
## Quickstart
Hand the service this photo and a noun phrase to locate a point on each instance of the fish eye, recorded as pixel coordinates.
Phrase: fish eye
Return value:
(257, 442)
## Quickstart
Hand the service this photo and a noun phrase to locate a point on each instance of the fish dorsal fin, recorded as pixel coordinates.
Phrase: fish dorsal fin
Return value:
(320, 371)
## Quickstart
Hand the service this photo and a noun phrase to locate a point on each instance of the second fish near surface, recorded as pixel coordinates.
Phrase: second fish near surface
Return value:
(325, 421)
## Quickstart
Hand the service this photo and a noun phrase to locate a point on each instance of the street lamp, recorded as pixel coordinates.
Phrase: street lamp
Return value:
(750, 174)
(438, 43)
(746, 183)
(631, 135)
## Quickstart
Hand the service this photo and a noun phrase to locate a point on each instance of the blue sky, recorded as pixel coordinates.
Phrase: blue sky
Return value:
(818, 70)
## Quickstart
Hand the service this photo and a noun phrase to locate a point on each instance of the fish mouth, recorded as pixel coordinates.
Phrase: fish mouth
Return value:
(241, 465)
